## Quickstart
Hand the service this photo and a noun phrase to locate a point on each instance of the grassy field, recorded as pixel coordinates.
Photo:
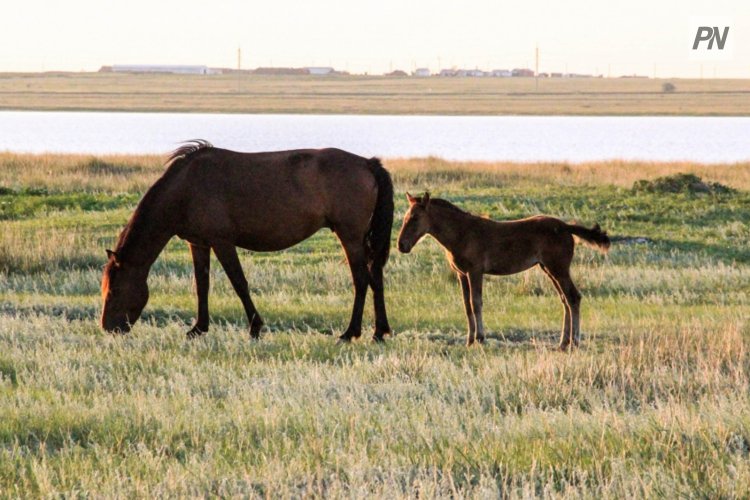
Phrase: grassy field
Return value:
(655, 403)
(372, 95)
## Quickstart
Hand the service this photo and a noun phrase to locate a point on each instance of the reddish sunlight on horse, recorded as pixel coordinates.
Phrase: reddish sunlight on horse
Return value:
(476, 246)
(218, 200)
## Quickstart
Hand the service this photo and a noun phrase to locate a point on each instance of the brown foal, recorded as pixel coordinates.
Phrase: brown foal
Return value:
(476, 246)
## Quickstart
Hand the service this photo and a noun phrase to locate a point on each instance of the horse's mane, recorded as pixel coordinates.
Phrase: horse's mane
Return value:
(136, 221)
(187, 148)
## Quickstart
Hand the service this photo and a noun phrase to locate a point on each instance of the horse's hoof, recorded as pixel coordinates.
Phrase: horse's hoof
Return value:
(255, 327)
(378, 339)
(195, 332)
(344, 339)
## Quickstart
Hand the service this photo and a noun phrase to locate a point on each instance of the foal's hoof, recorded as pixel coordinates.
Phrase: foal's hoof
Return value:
(567, 347)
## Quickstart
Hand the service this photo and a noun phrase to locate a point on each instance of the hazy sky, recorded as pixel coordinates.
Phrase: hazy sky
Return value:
(616, 37)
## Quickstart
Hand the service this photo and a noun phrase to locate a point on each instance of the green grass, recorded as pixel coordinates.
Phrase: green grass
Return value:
(655, 403)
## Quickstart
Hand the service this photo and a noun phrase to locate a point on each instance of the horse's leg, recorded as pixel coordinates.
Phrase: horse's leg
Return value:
(201, 266)
(355, 255)
(227, 255)
(475, 284)
(381, 318)
(565, 334)
(466, 292)
(573, 298)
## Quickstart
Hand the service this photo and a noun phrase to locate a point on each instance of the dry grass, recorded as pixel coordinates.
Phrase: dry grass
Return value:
(133, 174)
(656, 403)
(372, 95)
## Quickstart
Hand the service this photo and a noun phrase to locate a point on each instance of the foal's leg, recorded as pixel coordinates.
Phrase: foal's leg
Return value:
(381, 318)
(466, 292)
(565, 335)
(573, 298)
(475, 284)
(227, 255)
(355, 255)
(201, 266)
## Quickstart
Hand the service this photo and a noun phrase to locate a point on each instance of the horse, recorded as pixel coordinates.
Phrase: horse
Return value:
(216, 199)
(476, 246)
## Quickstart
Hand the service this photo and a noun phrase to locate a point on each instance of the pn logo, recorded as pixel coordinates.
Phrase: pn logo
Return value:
(711, 34)
(710, 38)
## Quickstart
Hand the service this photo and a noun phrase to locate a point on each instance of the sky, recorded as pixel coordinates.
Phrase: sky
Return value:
(612, 38)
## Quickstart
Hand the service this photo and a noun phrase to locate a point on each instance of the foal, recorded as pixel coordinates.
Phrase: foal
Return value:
(476, 246)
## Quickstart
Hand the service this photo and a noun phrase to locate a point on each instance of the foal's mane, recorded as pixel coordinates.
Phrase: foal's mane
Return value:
(450, 206)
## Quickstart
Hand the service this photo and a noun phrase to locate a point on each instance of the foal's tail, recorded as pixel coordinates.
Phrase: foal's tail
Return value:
(594, 236)
(378, 238)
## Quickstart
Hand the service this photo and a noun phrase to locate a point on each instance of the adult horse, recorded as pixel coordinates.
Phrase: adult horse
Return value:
(219, 199)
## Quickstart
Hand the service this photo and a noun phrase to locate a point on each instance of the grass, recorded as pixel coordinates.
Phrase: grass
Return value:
(372, 94)
(655, 403)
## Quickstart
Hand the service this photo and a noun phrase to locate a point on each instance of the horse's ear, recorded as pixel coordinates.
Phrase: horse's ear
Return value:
(426, 199)
(113, 256)
(412, 200)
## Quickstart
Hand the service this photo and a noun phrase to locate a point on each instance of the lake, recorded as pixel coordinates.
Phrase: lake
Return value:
(519, 138)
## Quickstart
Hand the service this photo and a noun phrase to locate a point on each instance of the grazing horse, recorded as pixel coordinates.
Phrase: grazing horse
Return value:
(476, 246)
(218, 200)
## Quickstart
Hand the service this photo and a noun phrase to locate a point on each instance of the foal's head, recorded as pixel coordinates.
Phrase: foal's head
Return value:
(416, 222)
(124, 293)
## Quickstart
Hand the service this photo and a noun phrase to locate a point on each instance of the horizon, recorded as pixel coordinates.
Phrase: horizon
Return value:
(580, 37)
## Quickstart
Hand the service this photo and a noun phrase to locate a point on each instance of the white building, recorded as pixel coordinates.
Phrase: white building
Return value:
(422, 72)
(162, 68)
(320, 70)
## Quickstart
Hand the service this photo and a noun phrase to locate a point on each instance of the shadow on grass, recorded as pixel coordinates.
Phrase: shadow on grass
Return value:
(515, 338)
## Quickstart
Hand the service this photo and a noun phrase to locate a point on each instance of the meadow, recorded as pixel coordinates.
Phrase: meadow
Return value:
(372, 94)
(656, 402)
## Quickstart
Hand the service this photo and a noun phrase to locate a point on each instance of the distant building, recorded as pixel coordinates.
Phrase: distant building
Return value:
(320, 70)
(281, 71)
(502, 73)
(397, 72)
(162, 68)
(447, 72)
(422, 72)
(524, 72)
(477, 73)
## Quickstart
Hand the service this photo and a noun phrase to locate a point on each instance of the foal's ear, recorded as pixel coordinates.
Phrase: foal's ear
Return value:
(113, 255)
(426, 199)
(412, 200)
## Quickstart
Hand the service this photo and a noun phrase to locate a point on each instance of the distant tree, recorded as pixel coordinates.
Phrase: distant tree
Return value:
(668, 87)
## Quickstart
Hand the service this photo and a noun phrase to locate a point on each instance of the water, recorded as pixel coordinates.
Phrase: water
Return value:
(519, 138)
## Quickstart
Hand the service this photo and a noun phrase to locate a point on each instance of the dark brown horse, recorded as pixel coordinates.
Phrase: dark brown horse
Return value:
(218, 199)
(476, 246)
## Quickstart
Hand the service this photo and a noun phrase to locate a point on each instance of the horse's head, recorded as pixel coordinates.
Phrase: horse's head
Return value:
(124, 293)
(416, 222)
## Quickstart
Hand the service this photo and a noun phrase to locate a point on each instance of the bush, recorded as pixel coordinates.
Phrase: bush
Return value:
(680, 183)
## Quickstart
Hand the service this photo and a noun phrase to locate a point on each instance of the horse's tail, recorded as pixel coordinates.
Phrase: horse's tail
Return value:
(378, 238)
(594, 236)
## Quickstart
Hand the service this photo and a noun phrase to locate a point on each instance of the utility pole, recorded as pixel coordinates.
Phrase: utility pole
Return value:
(239, 66)
(536, 70)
